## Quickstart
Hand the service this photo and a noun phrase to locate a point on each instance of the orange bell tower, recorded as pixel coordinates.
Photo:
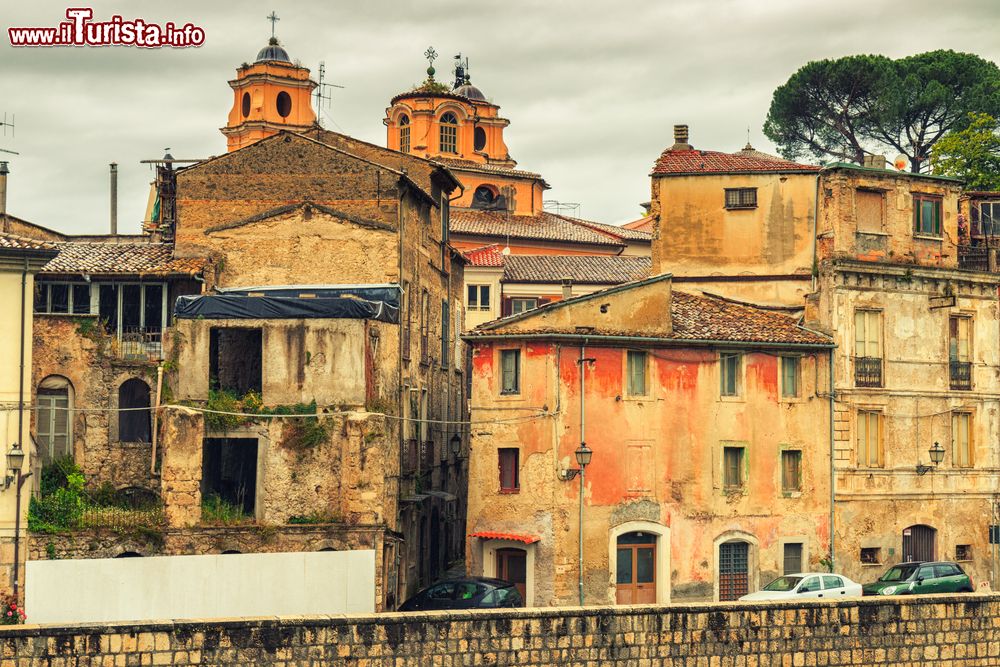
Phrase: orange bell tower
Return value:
(270, 95)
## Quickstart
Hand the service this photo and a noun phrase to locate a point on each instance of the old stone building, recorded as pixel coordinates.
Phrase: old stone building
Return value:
(877, 259)
(708, 475)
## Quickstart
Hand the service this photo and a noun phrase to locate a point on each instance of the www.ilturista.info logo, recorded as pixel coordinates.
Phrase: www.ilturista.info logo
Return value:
(79, 30)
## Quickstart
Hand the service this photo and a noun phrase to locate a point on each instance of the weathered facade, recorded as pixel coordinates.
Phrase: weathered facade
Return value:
(708, 475)
(881, 261)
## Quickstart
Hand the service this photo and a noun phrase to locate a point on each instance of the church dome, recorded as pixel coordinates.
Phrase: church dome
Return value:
(469, 91)
(273, 51)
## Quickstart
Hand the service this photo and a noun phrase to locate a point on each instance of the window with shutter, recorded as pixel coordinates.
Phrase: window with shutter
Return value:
(870, 210)
(961, 439)
(635, 369)
(510, 371)
(869, 439)
(509, 464)
(791, 471)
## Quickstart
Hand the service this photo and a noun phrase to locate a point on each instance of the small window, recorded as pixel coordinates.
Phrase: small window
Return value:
(522, 305)
(284, 104)
(635, 373)
(53, 423)
(790, 377)
(445, 329)
(871, 556)
(510, 371)
(449, 133)
(963, 552)
(730, 369)
(485, 197)
(741, 197)
(869, 439)
(791, 470)
(479, 139)
(478, 297)
(404, 134)
(245, 105)
(926, 215)
(870, 210)
(235, 360)
(134, 411)
(732, 462)
(509, 458)
(959, 352)
(62, 298)
(961, 439)
(792, 558)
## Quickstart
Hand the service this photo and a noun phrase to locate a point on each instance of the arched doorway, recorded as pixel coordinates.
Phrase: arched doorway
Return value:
(919, 543)
(134, 413)
(734, 569)
(635, 574)
(512, 566)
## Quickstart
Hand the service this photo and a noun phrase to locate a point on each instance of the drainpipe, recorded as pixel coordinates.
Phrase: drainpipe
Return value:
(3, 194)
(583, 439)
(156, 416)
(20, 434)
(833, 478)
(114, 198)
(815, 263)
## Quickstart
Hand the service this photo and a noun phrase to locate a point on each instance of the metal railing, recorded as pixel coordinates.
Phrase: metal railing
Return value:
(140, 343)
(867, 371)
(974, 257)
(960, 374)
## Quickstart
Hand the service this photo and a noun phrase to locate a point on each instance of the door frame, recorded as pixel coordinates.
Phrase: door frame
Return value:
(662, 567)
(488, 557)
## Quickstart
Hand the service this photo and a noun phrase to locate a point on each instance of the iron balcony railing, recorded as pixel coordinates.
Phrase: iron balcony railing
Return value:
(974, 258)
(960, 373)
(140, 343)
(868, 371)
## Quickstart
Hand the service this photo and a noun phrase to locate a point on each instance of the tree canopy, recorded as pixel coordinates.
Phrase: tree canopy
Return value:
(972, 154)
(852, 106)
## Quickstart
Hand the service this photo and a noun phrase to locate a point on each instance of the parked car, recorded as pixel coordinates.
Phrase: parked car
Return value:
(806, 585)
(468, 593)
(915, 578)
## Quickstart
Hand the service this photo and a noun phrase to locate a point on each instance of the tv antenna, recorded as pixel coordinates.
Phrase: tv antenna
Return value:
(322, 93)
(5, 124)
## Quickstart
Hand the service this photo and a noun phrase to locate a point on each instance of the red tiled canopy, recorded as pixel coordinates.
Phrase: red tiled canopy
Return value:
(513, 537)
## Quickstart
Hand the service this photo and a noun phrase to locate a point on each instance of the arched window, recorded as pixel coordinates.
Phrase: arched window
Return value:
(485, 197)
(54, 419)
(133, 415)
(404, 134)
(449, 133)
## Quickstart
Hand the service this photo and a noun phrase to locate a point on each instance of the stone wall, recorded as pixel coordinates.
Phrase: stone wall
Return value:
(945, 631)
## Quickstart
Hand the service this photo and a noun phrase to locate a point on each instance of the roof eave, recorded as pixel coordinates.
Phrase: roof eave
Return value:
(650, 340)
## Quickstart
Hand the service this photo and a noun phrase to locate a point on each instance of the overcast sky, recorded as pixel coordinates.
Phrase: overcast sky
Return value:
(592, 89)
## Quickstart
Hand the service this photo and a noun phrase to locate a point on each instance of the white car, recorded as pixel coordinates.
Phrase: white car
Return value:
(805, 586)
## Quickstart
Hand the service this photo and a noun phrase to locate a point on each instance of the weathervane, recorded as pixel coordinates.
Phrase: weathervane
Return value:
(431, 55)
(273, 18)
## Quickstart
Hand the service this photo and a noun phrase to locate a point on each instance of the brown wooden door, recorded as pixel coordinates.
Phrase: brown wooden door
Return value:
(918, 543)
(636, 569)
(734, 577)
(512, 567)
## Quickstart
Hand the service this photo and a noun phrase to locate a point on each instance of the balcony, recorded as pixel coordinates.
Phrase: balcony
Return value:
(977, 258)
(867, 371)
(140, 344)
(960, 374)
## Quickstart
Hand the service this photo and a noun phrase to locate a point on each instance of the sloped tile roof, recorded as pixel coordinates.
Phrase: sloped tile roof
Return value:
(708, 162)
(708, 318)
(619, 231)
(121, 258)
(643, 224)
(14, 242)
(469, 165)
(488, 255)
(542, 227)
(594, 270)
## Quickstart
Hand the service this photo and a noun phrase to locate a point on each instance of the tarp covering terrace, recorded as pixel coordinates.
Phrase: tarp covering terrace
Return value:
(363, 302)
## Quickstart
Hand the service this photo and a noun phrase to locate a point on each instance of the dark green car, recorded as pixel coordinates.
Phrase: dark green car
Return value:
(921, 578)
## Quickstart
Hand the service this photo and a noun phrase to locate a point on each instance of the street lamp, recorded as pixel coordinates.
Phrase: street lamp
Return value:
(15, 459)
(583, 456)
(936, 452)
(456, 444)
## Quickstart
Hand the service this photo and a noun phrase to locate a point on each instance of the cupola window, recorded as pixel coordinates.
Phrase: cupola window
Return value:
(449, 133)
(246, 104)
(404, 134)
(284, 104)
(479, 139)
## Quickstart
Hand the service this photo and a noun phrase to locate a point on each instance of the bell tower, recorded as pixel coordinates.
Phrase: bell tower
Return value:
(269, 95)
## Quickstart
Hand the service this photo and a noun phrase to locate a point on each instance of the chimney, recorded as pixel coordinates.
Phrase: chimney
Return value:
(879, 161)
(567, 288)
(3, 194)
(114, 199)
(681, 139)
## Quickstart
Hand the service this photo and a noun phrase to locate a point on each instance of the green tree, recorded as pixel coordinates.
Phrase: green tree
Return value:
(855, 105)
(972, 154)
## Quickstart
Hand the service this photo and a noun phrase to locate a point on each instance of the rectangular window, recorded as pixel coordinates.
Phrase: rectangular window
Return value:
(62, 298)
(229, 473)
(926, 215)
(868, 348)
(510, 371)
(870, 207)
(425, 325)
(53, 424)
(791, 470)
(635, 373)
(959, 353)
(792, 558)
(730, 369)
(235, 360)
(509, 470)
(445, 329)
(522, 305)
(741, 197)
(963, 552)
(404, 139)
(790, 377)
(869, 439)
(961, 439)
(732, 468)
(871, 555)
(478, 297)
(404, 314)
(985, 218)
(449, 138)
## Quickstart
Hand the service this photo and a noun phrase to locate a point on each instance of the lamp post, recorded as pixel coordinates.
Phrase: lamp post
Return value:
(936, 452)
(583, 456)
(15, 459)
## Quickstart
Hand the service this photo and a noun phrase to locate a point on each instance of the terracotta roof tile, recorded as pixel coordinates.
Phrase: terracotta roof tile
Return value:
(617, 231)
(707, 162)
(542, 227)
(128, 258)
(594, 269)
(459, 163)
(488, 255)
(14, 242)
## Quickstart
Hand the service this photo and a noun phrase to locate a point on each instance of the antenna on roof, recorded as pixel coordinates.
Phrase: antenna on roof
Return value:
(322, 95)
(5, 124)
(461, 71)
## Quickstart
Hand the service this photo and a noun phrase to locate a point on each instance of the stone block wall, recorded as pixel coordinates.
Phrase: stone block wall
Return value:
(945, 631)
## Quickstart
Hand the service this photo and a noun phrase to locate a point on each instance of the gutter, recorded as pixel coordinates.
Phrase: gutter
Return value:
(669, 342)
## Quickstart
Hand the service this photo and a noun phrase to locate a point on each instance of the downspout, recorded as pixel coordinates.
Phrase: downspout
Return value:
(583, 440)
(402, 396)
(833, 478)
(156, 416)
(814, 270)
(20, 434)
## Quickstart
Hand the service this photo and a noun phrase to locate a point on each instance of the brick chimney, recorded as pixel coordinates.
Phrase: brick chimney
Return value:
(681, 139)
(567, 288)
